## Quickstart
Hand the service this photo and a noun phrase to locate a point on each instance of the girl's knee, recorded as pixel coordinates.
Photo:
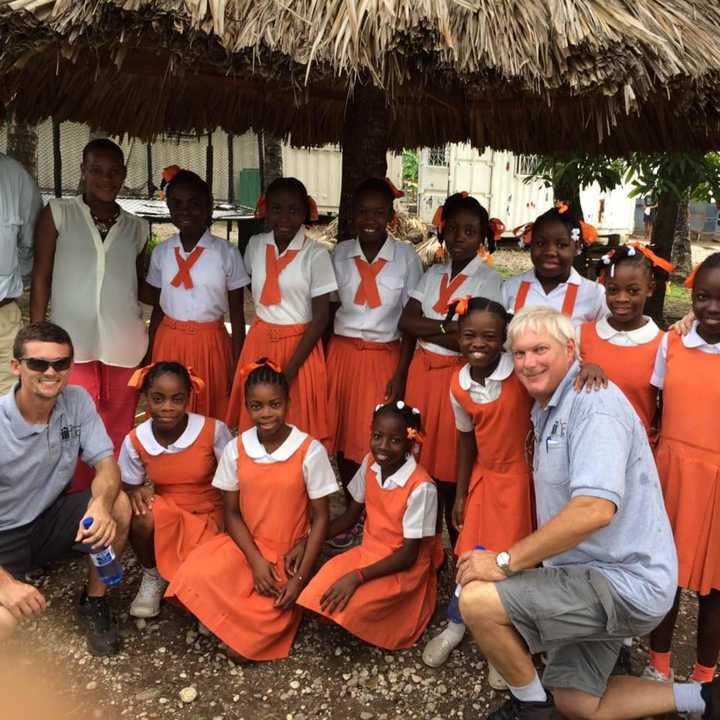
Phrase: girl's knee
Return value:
(143, 524)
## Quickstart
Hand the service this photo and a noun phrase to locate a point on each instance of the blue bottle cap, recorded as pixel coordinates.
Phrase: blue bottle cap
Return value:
(87, 522)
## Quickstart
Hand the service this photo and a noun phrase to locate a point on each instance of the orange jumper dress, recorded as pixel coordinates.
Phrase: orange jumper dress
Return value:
(630, 368)
(498, 510)
(216, 582)
(688, 461)
(391, 611)
(187, 509)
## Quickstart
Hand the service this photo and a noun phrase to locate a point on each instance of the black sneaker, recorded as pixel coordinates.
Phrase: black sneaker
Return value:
(514, 709)
(623, 665)
(711, 695)
(96, 620)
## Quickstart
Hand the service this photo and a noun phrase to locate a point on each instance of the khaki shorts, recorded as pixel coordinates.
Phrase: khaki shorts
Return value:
(574, 615)
(10, 323)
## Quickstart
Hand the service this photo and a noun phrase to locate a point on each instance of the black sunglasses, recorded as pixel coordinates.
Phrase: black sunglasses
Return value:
(41, 366)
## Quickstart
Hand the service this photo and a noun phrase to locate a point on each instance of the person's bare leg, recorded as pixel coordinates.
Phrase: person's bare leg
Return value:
(494, 634)
(122, 512)
(7, 624)
(142, 538)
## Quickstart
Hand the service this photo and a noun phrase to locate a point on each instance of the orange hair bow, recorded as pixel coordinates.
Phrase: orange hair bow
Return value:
(690, 279)
(461, 306)
(261, 208)
(589, 233)
(484, 255)
(440, 253)
(170, 172)
(415, 435)
(437, 219)
(137, 379)
(391, 186)
(524, 232)
(652, 257)
(313, 209)
(498, 227)
(246, 369)
(562, 207)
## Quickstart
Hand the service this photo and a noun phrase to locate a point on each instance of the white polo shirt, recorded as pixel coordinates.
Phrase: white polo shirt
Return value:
(217, 271)
(400, 274)
(318, 474)
(309, 275)
(419, 519)
(589, 304)
(480, 281)
(94, 284)
(691, 340)
(132, 470)
(627, 338)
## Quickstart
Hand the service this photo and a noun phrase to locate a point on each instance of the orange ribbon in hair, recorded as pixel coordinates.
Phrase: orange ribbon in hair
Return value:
(246, 369)
(440, 253)
(498, 227)
(437, 218)
(391, 186)
(690, 279)
(524, 232)
(461, 306)
(170, 172)
(415, 435)
(261, 208)
(589, 233)
(652, 257)
(137, 379)
(484, 255)
(313, 211)
(562, 207)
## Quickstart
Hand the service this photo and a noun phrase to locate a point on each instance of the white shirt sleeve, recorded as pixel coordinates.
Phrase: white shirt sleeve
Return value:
(222, 437)
(132, 470)
(154, 273)
(356, 487)
(226, 474)
(463, 420)
(319, 476)
(418, 292)
(235, 272)
(322, 279)
(420, 516)
(413, 277)
(658, 376)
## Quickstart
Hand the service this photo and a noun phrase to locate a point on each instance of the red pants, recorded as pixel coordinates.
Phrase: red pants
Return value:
(115, 403)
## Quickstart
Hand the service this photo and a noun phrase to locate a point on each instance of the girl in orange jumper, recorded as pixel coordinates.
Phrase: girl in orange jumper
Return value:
(687, 371)
(292, 278)
(624, 344)
(243, 584)
(385, 590)
(493, 504)
(178, 452)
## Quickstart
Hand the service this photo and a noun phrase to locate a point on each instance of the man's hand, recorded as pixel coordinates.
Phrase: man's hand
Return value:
(478, 565)
(20, 599)
(102, 530)
(141, 499)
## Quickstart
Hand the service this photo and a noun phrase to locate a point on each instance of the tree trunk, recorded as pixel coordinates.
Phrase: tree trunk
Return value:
(22, 143)
(272, 160)
(663, 236)
(364, 147)
(681, 248)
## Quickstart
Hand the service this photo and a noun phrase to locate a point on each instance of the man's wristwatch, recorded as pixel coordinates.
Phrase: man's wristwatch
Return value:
(503, 562)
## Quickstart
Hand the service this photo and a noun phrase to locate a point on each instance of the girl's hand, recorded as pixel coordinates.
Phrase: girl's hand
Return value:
(684, 325)
(590, 377)
(294, 558)
(338, 595)
(458, 512)
(395, 389)
(265, 577)
(141, 500)
(289, 594)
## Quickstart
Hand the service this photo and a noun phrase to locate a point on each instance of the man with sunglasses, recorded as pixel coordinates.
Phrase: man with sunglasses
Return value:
(45, 425)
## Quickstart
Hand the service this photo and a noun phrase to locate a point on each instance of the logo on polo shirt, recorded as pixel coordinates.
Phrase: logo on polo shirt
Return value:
(69, 431)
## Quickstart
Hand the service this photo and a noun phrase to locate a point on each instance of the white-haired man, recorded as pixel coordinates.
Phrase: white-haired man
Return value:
(608, 566)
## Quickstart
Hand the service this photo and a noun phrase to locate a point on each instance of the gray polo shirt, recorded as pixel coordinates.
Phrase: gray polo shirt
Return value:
(38, 461)
(593, 444)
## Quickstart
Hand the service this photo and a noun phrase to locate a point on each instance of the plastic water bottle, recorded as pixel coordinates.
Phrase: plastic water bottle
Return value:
(453, 610)
(104, 559)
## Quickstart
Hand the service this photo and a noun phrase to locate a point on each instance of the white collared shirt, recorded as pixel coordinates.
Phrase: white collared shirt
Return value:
(419, 519)
(132, 470)
(400, 274)
(480, 394)
(309, 275)
(480, 281)
(589, 304)
(94, 284)
(318, 474)
(627, 338)
(217, 271)
(691, 340)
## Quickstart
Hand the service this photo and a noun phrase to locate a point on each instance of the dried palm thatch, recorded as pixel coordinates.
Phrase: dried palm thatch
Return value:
(530, 75)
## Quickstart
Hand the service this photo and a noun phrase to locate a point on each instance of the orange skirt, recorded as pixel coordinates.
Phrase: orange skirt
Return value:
(428, 389)
(308, 391)
(498, 511)
(690, 479)
(207, 349)
(358, 374)
(216, 583)
(179, 531)
(391, 612)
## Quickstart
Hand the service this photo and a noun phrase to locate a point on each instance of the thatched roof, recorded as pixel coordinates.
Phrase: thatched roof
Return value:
(530, 75)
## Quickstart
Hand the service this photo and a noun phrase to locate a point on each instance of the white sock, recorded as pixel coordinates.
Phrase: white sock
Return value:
(454, 632)
(532, 692)
(627, 642)
(687, 697)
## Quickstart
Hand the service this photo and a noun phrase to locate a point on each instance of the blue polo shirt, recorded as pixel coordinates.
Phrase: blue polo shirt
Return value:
(594, 444)
(37, 462)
